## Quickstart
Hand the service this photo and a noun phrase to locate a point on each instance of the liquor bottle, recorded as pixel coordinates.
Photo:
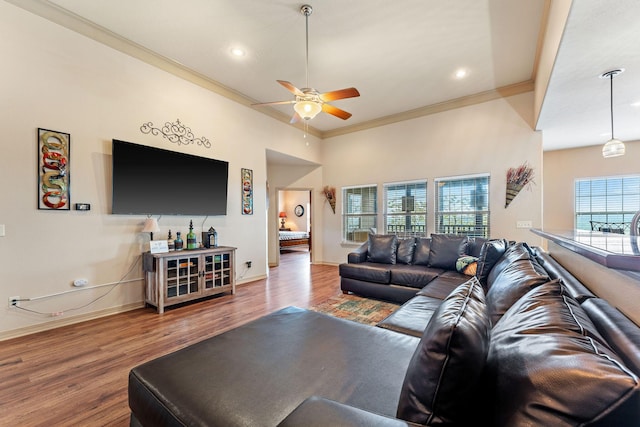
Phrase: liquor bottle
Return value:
(191, 237)
(170, 242)
(178, 243)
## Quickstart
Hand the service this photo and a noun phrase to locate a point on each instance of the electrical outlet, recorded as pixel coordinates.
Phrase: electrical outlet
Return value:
(524, 224)
(248, 264)
(14, 301)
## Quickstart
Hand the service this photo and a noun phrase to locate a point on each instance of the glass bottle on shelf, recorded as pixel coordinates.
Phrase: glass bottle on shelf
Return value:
(191, 237)
(178, 243)
(170, 242)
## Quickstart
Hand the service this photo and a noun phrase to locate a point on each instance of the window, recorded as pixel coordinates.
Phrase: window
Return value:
(406, 208)
(607, 203)
(359, 212)
(462, 205)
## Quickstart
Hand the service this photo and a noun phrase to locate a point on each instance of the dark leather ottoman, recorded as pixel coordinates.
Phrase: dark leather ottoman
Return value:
(221, 381)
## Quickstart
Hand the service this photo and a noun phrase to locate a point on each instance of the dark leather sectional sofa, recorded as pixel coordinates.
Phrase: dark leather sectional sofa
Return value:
(521, 343)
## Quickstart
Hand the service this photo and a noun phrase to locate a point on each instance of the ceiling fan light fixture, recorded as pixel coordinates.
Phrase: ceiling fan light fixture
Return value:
(307, 109)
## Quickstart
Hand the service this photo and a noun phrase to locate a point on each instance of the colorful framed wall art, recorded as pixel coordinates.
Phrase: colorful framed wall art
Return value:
(53, 170)
(247, 191)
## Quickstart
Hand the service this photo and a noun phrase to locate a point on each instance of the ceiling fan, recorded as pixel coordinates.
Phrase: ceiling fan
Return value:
(309, 102)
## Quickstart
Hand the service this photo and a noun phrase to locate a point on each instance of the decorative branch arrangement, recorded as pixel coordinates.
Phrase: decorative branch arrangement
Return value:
(330, 195)
(517, 179)
(175, 132)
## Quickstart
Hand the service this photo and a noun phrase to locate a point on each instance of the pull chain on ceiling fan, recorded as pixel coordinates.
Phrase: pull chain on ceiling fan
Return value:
(309, 102)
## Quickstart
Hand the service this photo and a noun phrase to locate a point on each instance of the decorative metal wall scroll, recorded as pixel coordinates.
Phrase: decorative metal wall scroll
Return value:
(53, 170)
(175, 132)
(247, 191)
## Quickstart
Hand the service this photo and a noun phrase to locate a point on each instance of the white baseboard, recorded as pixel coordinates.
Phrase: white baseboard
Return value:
(64, 321)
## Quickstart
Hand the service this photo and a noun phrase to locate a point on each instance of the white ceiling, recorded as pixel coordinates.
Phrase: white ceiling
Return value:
(400, 55)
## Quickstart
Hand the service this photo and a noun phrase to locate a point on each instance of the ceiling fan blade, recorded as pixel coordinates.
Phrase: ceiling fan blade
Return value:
(273, 103)
(291, 88)
(335, 111)
(351, 92)
(295, 119)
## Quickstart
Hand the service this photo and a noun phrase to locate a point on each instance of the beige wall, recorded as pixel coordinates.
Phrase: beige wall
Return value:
(486, 138)
(54, 78)
(563, 167)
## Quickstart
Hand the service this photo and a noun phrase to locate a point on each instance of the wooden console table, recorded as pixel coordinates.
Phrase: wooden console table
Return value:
(180, 276)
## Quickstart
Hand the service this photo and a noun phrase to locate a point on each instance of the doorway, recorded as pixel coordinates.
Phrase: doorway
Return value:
(294, 223)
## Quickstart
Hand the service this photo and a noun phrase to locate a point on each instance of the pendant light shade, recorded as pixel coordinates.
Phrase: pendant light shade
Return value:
(614, 147)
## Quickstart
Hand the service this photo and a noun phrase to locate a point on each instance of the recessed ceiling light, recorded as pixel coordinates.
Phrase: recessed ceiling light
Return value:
(236, 51)
(461, 73)
(636, 104)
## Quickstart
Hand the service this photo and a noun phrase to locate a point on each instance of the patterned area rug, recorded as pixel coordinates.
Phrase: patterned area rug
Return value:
(351, 307)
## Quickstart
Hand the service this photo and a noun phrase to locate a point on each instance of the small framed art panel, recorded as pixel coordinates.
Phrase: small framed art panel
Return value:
(53, 170)
(247, 191)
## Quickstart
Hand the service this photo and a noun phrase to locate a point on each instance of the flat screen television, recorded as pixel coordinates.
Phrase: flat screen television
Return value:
(153, 181)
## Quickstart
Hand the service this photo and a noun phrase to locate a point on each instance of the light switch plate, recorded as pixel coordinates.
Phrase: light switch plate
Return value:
(1, 230)
(523, 224)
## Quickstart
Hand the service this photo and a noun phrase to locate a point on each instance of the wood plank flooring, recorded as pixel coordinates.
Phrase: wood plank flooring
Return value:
(77, 375)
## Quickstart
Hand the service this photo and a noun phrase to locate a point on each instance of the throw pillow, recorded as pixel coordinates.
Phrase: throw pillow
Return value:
(421, 251)
(442, 378)
(382, 248)
(490, 253)
(547, 368)
(467, 265)
(405, 250)
(446, 249)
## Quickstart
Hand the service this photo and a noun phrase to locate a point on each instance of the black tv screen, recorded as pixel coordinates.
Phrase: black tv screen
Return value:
(153, 181)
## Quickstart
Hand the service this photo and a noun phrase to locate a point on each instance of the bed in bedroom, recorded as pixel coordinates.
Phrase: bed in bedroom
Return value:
(293, 239)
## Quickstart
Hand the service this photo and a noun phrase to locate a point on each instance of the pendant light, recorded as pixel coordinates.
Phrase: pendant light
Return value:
(614, 147)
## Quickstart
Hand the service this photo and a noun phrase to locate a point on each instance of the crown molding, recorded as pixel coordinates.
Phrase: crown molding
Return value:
(71, 21)
(465, 101)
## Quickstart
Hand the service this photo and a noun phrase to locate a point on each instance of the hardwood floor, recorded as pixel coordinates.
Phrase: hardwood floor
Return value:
(77, 375)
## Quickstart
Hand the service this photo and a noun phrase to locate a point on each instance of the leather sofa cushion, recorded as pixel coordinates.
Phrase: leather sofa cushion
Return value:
(475, 246)
(422, 250)
(443, 285)
(415, 276)
(382, 248)
(367, 271)
(404, 253)
(514, 252)
(548, 369)
(489, 255)
(514, 281)
(413, 316)
(575, 288)
(441, 382)
(622, 335)
(446, 249)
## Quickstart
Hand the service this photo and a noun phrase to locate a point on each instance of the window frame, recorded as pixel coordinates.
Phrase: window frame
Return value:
(348, 233)
(615, 221)
(401, 231)
(464, 229)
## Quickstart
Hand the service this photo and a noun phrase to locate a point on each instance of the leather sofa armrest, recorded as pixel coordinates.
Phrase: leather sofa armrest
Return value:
(358, 255)
(320, 412)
